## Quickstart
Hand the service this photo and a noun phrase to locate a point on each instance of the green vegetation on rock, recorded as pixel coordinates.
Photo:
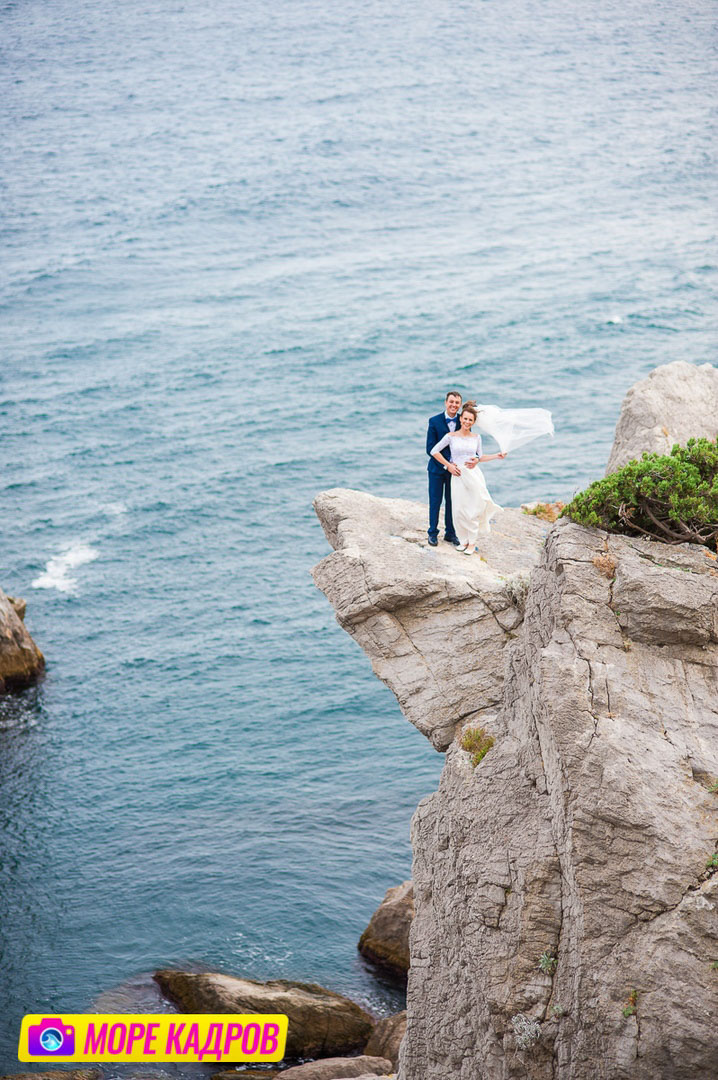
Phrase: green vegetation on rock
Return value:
(477, 743)
(668, 497)
(548, 962)
(631, 1004)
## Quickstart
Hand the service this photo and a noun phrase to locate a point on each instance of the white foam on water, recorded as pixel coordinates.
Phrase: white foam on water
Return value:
(113, 509)
(55, 574)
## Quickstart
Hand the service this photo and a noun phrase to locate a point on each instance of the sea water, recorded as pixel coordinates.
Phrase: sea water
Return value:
(247, 248)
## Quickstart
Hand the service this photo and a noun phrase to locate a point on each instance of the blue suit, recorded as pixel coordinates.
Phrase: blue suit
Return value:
(439, 478)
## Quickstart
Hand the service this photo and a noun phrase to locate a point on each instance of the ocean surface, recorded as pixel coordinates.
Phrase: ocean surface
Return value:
(246, 249)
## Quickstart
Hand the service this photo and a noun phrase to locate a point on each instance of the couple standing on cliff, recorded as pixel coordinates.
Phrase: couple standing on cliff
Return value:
(454, 455)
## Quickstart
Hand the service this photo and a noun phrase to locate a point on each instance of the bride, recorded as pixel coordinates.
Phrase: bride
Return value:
(472, 505)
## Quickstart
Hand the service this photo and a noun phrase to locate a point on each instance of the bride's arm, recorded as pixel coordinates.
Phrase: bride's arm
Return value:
(436, 453)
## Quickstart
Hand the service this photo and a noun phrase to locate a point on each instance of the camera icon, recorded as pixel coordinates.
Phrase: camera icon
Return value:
(50, 1037)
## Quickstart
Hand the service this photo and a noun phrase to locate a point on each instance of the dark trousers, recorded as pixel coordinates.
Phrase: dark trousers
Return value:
(440, 488)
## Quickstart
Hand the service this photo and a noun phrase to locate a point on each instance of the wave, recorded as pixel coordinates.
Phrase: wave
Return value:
(56, 576)
(113, 509)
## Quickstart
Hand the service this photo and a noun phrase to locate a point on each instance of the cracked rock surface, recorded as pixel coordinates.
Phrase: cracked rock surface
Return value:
(582, 837)
(566, 918)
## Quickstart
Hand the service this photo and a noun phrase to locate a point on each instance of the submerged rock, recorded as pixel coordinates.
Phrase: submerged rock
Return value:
(321, 1023)
(339, 1067)
(20, 659)
(386, 939)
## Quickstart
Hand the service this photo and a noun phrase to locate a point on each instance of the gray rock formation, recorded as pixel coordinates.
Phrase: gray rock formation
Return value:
(321, 1023)
(385, 1039)
(20, 659)
(386, 939)
(675, 402)
(339, 1068)
(401, 600)
(566, 888)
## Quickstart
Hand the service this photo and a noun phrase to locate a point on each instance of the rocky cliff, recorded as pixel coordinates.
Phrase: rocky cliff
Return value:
(566, 888)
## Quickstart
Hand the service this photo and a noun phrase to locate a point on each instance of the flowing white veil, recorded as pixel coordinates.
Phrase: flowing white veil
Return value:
(513, 427)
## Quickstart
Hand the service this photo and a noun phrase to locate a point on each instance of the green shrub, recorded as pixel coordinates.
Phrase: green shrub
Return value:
(478, 744)
(669, 497)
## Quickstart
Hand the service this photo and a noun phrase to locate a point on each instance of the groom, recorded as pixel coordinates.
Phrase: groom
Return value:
(439, 475)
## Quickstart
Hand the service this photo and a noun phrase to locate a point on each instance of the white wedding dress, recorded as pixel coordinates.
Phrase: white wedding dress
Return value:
(471, 505)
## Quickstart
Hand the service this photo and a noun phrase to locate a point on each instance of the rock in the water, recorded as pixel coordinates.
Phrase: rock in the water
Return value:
(676, 402)
(344, 1067)
(246, 1074)
(433, 622)
(20, 659)
(386, 939)
(321, 1023)
(53, 1074)
(385, 1039)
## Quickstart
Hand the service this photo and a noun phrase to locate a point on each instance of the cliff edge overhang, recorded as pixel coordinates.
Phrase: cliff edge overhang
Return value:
(433, 622)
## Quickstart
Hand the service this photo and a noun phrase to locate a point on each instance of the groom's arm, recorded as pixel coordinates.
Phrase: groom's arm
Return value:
(432, 437)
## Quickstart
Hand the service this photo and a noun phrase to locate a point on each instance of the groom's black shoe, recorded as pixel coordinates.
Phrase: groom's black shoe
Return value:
(453, 540)
(433, 542)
